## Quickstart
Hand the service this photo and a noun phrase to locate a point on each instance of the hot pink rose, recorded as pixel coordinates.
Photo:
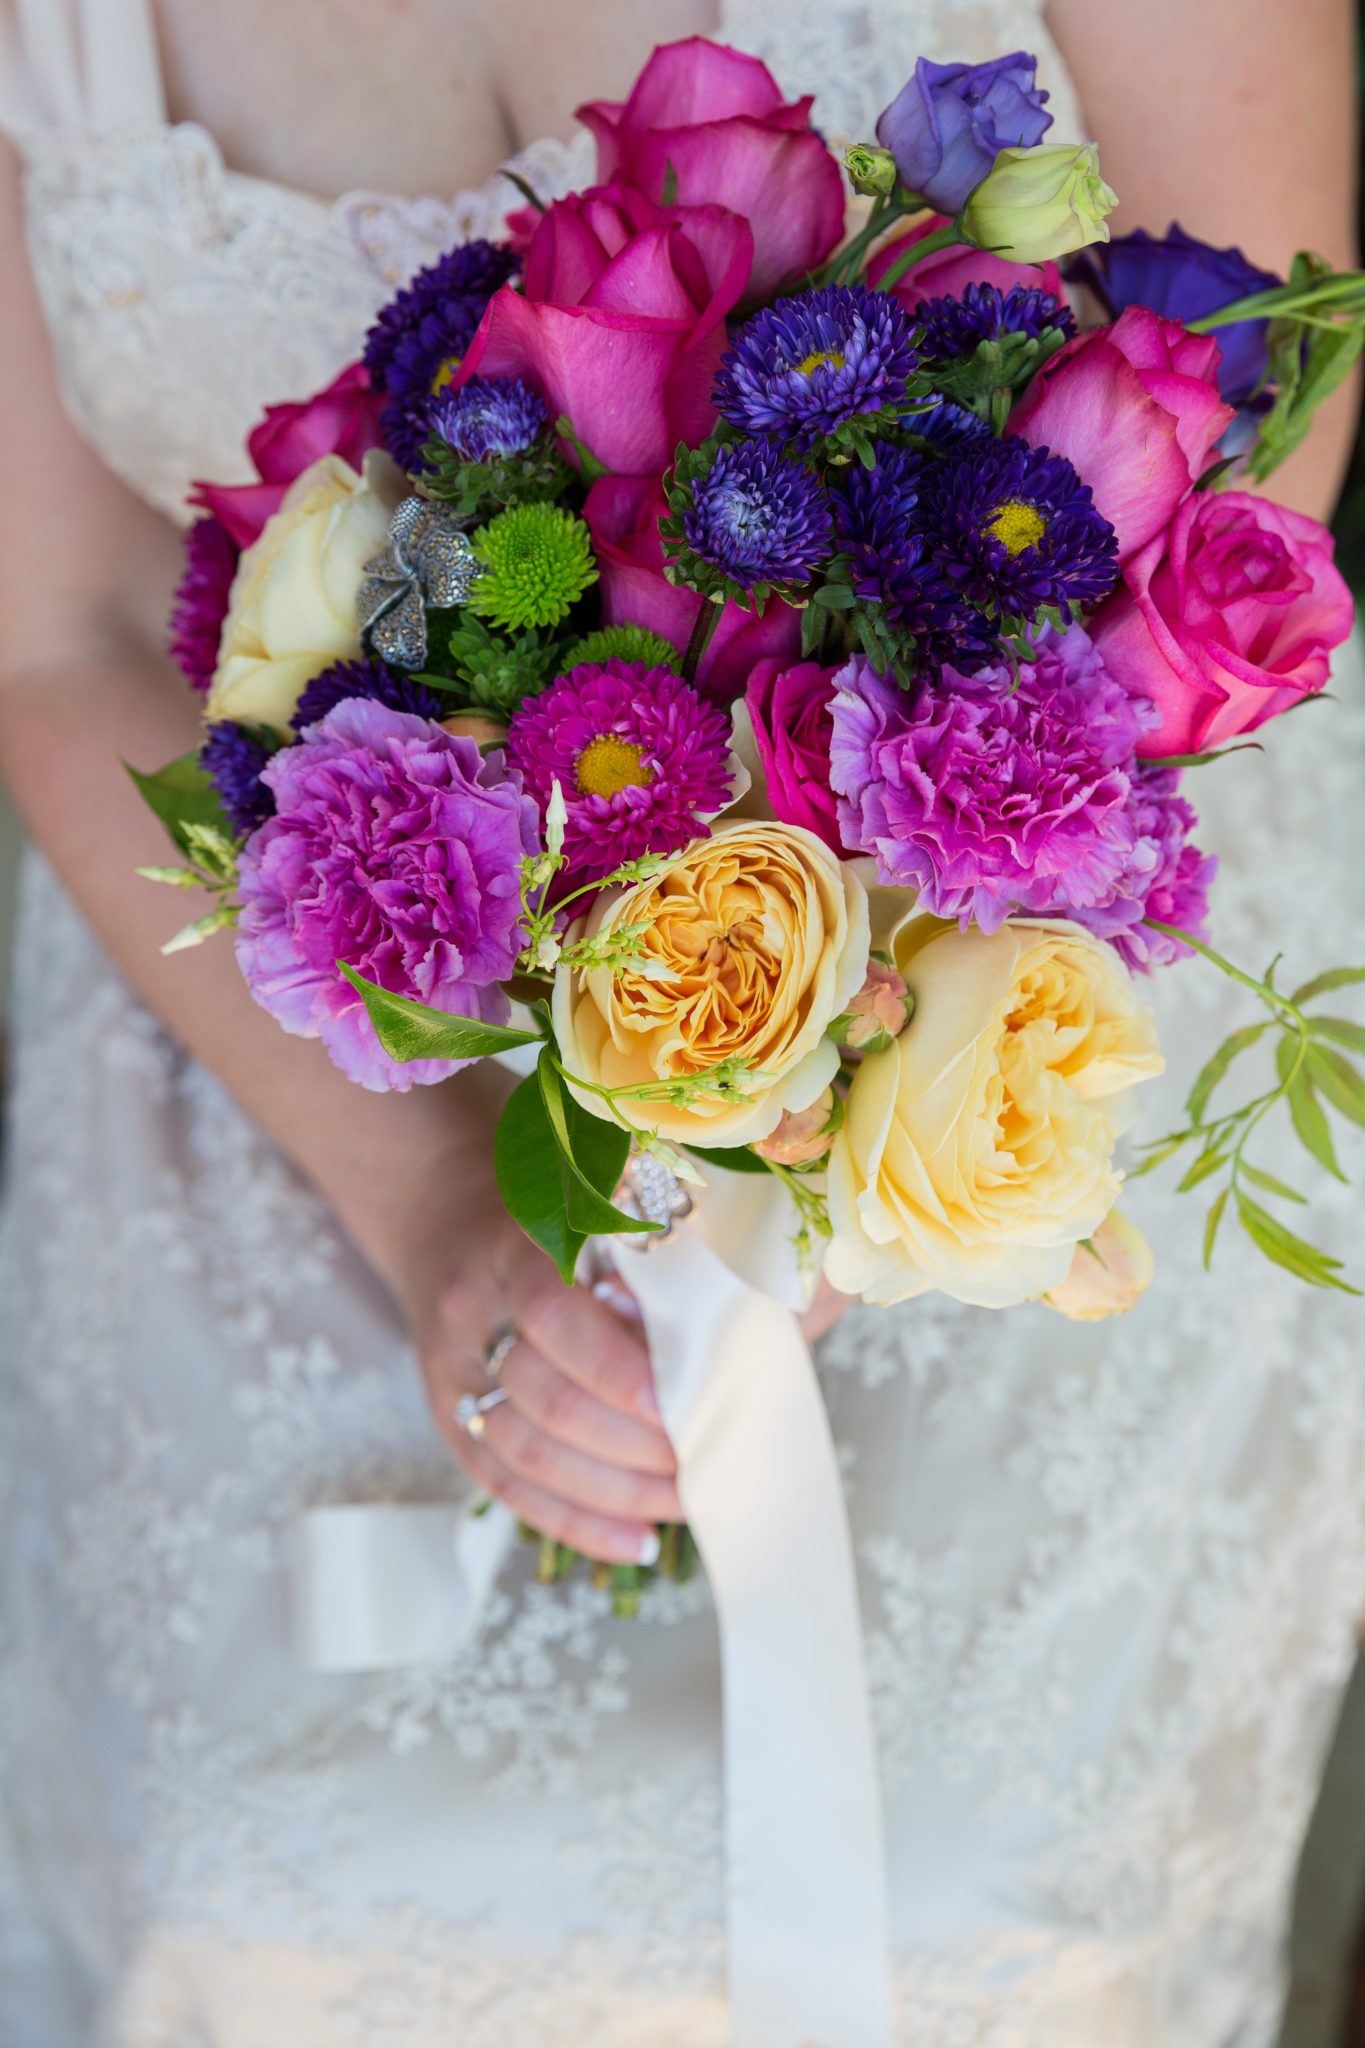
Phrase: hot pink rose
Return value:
(623, 513)
(1135, 409)
(1226, 620)
(621, 321)
(942, 276)
(710, 126)
(341, 420)
(789, 709)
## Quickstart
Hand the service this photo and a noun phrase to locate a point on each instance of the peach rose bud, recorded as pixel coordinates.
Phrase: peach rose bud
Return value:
(477, 725)
(879, 1012)
(1108, 1273)
(803, 1135)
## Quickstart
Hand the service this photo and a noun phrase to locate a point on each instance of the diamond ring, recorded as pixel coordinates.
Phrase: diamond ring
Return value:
(495, 1352)
(472, 1410)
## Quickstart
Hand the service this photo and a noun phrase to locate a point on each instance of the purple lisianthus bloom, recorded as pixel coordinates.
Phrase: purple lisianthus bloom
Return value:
(233, 757)
(489, 419)
(396, 848)
(415, 345)
(798, 370)
(1167, 877)
(949, 123)
(1182, 279)
(1015, 531)
(642, 760)
(367, 678)
(982, 312)
(758, 517)
(201, 600)
(990, 794)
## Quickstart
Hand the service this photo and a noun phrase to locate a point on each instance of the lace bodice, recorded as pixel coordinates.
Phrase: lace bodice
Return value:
(183, 296)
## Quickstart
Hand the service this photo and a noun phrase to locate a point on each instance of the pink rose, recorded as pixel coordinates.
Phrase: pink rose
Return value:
(709, 126)
(341, 420)
(1135, 409)
(621, 321)
(803, 1136)
(789, 709)
(943, 276)
(623, 513)
(1226, 620)
(880, 1011)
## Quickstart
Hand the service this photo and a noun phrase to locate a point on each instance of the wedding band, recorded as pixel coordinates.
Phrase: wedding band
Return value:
(495, 1352)
(472, 1410)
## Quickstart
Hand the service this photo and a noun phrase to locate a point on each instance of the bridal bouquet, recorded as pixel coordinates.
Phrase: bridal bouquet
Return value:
(748, 654)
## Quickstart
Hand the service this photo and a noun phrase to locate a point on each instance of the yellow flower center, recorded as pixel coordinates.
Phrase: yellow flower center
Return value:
(445, 371)
(1016, 526)
(608, 764)
(810, 363)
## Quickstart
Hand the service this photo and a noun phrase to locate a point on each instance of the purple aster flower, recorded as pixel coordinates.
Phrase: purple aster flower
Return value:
(947, 425)
(396, 848)
(878, 524)
(804, 366)
(982, 312)
(990, 794)
(1167, 877)
(419, 337)
(366, 678)
(641, 758)
(1015, 530)
(232, 757)
(201, 600)
(490, 419)
(758, 517)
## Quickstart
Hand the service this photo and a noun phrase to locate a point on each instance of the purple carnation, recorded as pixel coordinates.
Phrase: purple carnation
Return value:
(991, 794)
(1167, 876)
(201, 600)
(396, 848)
(640, 757)
(366, 678)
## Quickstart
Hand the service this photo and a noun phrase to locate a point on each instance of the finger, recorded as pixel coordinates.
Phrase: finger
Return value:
(594, 1535)
(588, 1344)
(572, 1476)
(563, 1411)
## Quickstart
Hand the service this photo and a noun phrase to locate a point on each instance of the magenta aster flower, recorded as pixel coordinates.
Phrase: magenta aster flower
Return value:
(396, 848)
(201, 600)
(640, 757)
(991, 794)
(1166, 878)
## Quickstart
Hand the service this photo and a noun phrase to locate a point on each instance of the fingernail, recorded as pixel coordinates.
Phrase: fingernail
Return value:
(619, 1299)
(650, 1548)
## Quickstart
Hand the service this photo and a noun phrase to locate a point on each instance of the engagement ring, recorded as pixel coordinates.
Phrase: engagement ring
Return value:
(472, 1410)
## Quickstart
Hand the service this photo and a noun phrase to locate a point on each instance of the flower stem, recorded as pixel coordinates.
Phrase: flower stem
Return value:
(704, 626)
(928, 245)
(1268, 995)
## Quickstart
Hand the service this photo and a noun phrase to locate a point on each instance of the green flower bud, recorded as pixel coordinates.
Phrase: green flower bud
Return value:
(871, 171)
(1039, 203)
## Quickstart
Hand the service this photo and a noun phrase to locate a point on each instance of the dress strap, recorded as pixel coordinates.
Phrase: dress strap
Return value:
(89, 65)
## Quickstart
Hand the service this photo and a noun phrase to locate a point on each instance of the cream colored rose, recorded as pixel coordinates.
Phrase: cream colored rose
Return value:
(977, 1150)
(293, 599)
(1039, 203)
(1110, 1271)
(754, 941)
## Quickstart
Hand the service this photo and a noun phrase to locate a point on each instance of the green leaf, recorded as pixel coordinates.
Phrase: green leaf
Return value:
(592, 1156)
(1211, 1223)
(1283, 1248)
(1340, 1030)
(1310, 1121)
(1338, 1080)
(1334, 977)
(735, 1159)
(1207, 1163)
(413, 1031)
(180, 795)
(1267, 1181)
(526, 1160)
(669, 195)
(1214, 1069)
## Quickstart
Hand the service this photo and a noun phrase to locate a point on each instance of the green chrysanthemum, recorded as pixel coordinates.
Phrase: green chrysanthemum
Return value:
(623, 643)
(537, 562)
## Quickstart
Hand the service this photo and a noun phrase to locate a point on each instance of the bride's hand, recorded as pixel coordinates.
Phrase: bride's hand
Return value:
(577, 1449)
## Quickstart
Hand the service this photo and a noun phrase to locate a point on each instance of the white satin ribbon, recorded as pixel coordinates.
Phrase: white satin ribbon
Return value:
(378, 1586)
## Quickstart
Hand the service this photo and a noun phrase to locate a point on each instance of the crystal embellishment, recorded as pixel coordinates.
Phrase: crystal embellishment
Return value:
(651, 1192)
(428, 561)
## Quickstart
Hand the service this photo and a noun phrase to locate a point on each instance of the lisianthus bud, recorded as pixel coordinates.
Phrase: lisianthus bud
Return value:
(1108, 1272)
(803, 1136)
(871, 171)
(1037, 203)
(879, 1012)
(478, 726)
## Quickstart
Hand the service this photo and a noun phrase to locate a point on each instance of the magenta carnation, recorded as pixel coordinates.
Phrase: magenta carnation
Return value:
(396, 848)
(640, 757)
(991, 793)
(1167, 876)
(201, 600)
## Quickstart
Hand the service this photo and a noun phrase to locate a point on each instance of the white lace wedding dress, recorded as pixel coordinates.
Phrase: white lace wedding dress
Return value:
(1109, 1575)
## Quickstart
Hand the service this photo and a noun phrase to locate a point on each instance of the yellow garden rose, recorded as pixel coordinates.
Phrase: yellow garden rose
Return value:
(1109, 1273)
(977, 1149)
(754, 941)
(293, 608)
